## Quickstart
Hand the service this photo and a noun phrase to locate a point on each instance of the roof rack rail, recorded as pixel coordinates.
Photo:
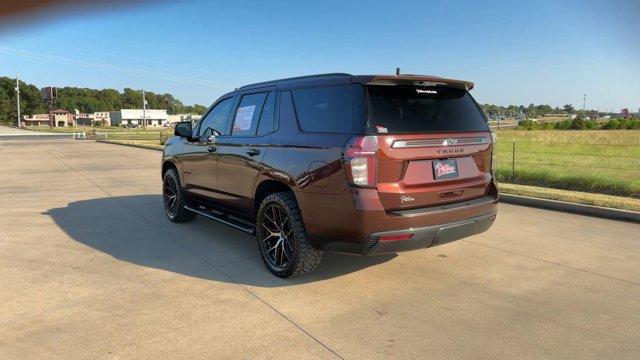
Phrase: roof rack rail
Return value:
(295, 78)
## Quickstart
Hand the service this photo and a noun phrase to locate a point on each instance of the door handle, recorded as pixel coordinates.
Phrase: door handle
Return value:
(253, 152)
(212, 149)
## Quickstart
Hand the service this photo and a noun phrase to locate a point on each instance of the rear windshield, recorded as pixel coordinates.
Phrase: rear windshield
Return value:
(410, 109)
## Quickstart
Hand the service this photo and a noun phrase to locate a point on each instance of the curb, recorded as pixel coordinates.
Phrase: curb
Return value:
(583, 209)
(141, 146)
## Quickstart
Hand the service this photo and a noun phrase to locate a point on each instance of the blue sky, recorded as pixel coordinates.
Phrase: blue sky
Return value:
(516, 52)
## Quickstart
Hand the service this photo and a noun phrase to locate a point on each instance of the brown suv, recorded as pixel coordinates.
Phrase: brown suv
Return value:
(362, 164)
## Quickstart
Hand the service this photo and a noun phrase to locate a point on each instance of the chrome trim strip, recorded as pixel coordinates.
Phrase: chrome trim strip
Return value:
(438, 209)
(399, 144)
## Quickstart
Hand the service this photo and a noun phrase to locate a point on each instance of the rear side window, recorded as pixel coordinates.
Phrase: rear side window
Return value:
(246, 118)
(410, 109)
(324, 109)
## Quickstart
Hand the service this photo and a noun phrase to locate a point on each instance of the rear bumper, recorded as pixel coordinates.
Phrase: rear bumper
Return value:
(428, 236)
(428, 227)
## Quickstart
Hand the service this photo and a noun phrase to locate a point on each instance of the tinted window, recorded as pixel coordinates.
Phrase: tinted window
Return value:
(324, 109)
(247, 115)
(216, 119)
(265, 125)
(408, 109)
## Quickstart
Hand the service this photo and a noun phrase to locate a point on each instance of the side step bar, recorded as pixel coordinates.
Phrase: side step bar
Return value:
(223, 218)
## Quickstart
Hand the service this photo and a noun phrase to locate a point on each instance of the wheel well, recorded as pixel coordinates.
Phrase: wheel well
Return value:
(166, 166)
(267, 188)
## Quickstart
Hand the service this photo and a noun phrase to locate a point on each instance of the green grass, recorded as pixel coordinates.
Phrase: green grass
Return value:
(598, 161)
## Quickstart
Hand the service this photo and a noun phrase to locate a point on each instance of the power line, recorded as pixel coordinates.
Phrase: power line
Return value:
(149, 61)
(117, 68)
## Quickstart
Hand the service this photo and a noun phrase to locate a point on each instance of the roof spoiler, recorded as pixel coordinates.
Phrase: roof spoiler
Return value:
(419, 80)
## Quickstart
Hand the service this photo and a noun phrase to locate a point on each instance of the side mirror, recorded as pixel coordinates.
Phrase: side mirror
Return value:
(183, 129)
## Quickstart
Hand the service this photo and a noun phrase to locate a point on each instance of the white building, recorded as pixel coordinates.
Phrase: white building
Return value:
(130, 117)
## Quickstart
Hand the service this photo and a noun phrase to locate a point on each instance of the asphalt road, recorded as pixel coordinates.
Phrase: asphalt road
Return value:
(90, 268)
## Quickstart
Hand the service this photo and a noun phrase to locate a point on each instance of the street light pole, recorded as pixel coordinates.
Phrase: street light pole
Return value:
(144, 109)
(18, 98)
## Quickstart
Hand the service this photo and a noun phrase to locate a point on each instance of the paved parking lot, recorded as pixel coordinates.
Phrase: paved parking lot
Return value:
(90, 268)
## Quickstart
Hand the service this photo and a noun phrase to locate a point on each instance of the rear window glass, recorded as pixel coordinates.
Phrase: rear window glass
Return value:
(247, 115)
(324, 109)
(409, 109)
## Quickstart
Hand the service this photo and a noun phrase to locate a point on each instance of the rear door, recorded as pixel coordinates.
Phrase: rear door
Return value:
(240, 153)
(434, 145)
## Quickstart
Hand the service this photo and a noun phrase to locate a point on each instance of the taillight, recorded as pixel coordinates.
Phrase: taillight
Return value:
(494, 140)
(361, 155)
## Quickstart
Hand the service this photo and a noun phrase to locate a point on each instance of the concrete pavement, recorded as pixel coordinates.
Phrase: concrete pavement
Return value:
(90, 268)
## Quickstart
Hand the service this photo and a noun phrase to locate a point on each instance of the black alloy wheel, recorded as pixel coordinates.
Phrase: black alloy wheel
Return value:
(173, 198)
(170, 196)
(277, 232)
(282, 238)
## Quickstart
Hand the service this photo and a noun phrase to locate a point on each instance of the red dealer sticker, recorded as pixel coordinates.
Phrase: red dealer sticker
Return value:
(445, 169)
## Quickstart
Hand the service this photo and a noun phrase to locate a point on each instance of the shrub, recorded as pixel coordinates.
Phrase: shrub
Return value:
(578, 124)
(563, 125)
(527, 125)
(547, 125)
(164, 136)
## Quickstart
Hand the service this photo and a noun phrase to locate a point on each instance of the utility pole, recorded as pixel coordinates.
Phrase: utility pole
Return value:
(18, 98)
(584, 102)
(144, 109)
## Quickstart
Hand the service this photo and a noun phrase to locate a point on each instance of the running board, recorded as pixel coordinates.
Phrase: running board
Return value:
(225, 219)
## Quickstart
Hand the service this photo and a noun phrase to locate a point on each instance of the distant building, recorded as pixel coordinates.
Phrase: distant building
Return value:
(129, 117)
(57, 118)
(103, 117)
(100, 118)
(183, 117)
(36, 120)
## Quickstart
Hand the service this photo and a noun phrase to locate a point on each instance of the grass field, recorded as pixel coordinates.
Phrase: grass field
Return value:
(115, 133)
(599, 161)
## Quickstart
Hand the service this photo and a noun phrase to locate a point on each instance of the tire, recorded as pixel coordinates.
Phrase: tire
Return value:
(173, 198)
(301, 257)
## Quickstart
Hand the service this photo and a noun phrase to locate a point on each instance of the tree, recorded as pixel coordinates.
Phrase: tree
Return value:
(569, 109)
(84, 99)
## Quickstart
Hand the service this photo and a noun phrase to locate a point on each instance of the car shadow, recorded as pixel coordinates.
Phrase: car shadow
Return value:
(134, 229)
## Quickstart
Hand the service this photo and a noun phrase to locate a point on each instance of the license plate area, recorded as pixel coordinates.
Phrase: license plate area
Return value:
(445, 169)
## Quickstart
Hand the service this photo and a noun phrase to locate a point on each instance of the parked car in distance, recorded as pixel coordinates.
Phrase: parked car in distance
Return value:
(365, 164)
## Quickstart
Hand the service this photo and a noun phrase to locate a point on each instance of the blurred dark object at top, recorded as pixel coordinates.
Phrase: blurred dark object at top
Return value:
(13, 9)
